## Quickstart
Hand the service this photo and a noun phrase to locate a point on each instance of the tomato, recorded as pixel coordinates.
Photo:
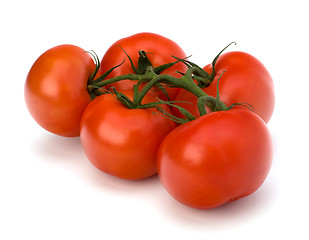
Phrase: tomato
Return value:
(246, 80)
(120, 141)
(56, 89)
(217, 158)
(159, 49)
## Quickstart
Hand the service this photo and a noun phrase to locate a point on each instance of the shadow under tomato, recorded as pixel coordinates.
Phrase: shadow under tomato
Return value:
(69, 153)
(57, 148)
(106, 182)
(229, 214)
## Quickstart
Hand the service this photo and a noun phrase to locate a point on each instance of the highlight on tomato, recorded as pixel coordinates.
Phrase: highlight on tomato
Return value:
(56, 91)
(160, 50)
(120, 141)
(217, 158)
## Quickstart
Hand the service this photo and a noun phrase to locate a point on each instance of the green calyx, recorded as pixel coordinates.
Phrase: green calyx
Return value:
(213, 64)
(202, 77)
(215, 104)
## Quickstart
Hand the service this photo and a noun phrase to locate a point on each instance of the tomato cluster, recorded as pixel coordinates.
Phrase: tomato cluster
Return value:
(144, 109)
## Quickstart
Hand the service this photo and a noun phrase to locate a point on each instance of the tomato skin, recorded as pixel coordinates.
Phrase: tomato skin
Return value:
(56, 89)
(161, 49)
(217, 158)
(120, 141)
(246, 80)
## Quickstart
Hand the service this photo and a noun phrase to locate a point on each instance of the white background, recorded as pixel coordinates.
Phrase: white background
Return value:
(49, 190)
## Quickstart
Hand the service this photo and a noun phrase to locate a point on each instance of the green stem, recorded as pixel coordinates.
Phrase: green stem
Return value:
(129, 76)
(185, 82)
(149, 85)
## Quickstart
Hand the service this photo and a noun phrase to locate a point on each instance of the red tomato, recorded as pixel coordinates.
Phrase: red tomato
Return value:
(246, 80)
(217, 158)
(56, 89)
(160, 51)
(120, 141)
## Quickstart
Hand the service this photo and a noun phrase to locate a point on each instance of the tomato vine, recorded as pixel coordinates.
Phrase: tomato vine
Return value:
(192, 80)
